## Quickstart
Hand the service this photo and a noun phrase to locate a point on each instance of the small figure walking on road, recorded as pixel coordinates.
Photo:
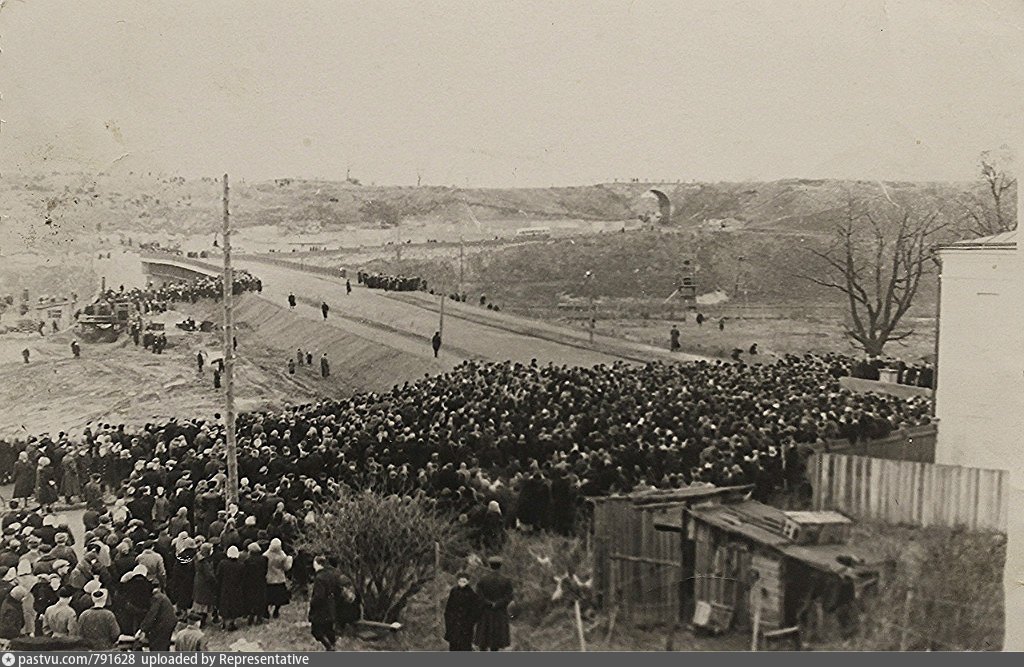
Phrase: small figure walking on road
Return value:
(76, 349)
(324, 308)
(753, 349)
(216, 378)
(721, 324)
(673, 336)
(348, 287)
(325, 366)
(291, 367)
(24, 354)
(200, 361)
(700, 319)
(299, 356)
(291, 301)
(435, 342)
(309, 358)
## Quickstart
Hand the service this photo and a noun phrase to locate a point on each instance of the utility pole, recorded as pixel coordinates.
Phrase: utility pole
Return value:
(229, 356)
(462, 255)
(440, 325)
(593, 310)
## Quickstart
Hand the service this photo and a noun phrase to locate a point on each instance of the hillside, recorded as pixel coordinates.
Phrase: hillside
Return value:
(50, 211)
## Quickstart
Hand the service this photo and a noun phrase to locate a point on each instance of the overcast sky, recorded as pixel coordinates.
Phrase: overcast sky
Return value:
(511, 93)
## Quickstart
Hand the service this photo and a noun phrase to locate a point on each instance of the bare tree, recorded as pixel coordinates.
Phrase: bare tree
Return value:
(995, 212)
(878, 255)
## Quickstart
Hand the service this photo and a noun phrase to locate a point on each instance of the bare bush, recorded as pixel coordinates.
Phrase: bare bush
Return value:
(944, 592)
(384, 544)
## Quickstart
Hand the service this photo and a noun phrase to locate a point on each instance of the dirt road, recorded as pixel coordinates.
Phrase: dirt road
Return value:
(407, 321)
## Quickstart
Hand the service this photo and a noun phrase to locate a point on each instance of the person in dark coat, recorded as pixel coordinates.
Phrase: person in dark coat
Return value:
(492, 529)
(435, 343)
(24, 476)
(230, 579)
(255, 582)
(12, 613)
(323, 603)
(325, 366)
(324, 308)
(461, 612)
(563, 507)
(534, 502)
(204, 589)
(291, 301)
(159, 622)
(674, 338)
(492, 631)
(181, 579)
(46, 484)
(349, 607)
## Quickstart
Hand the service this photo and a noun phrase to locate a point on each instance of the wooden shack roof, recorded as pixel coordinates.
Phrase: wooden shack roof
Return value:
(763, 524)
(686, 494)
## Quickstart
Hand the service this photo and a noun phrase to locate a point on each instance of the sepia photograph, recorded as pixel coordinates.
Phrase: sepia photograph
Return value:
(532, 326)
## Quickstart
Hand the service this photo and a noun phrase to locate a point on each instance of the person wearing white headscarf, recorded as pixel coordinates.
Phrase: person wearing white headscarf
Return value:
(230, 575)
(98, 626)
(278, 565)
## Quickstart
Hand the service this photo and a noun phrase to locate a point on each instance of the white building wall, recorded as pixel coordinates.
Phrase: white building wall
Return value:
(980, 391)
(980, 334)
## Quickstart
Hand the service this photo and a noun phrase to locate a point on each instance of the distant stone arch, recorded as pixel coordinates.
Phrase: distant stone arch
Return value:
(664, 206)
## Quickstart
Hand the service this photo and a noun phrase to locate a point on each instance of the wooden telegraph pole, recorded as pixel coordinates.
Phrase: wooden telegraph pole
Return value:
(462, 254)
(229, 356)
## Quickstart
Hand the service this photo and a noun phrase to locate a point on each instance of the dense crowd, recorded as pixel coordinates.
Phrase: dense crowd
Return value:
(542, 434)
(495, 444)
(158, 299)
(921, 374)
(391, 283)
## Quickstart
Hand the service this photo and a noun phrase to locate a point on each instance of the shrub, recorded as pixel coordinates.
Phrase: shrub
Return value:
(384, 544)
(954, 581)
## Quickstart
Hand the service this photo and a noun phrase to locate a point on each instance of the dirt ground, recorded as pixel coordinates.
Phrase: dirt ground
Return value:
(121, 383)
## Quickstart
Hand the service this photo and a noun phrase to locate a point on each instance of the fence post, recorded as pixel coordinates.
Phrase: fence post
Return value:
(754, 635)
(905, 634)
(579, 625)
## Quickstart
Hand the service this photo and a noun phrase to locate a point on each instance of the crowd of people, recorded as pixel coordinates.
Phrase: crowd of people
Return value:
(154, 299)
(496, 445)
(391, 283)
(532, 438)
(921, 374)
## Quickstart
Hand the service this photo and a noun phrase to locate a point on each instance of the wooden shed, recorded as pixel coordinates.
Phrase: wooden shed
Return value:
(754, 560)
(638, 566)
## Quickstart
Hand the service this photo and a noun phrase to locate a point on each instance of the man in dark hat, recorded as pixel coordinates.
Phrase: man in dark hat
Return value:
(323, 603)
(461, 612)
(495, 590)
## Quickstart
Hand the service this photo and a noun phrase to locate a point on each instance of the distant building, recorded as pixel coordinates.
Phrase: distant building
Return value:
(979, 391)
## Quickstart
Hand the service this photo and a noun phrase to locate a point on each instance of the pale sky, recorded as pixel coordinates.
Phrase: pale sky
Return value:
(511, 93)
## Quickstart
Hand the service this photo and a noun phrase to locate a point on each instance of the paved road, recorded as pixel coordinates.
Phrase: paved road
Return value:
(408, 323)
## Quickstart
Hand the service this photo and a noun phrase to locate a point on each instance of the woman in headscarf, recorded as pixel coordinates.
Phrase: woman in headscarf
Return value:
(204, 590)
(24, 475)
(230, 580)
(278, 565)
(181, 579)
(255, 583)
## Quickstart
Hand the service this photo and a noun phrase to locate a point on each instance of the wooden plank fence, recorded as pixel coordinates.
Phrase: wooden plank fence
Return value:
(909, 492)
